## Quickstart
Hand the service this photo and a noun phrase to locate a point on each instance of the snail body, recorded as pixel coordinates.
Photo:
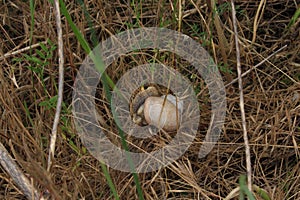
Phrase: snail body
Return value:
(139, 99)
(137, 104)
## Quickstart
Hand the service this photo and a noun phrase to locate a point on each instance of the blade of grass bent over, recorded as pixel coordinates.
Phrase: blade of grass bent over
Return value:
(106, 88)
(87, 49)
(106, 81)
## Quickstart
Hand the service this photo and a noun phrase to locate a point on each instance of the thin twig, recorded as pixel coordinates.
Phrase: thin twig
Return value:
(16, 174)
(179, 15)
(259, 64)
(258, 14)
(60, 85)
(16, 52)
(239, 71)
(6, 55)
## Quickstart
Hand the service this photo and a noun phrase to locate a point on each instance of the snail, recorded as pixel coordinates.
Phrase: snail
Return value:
(155, 106)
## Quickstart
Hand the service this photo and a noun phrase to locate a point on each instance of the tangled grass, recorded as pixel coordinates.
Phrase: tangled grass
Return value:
(28, 96)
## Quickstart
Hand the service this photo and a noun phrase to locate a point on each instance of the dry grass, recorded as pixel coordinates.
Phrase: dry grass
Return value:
(271, 95)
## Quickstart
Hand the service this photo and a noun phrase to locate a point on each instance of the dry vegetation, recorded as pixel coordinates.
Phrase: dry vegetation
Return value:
(271, 92)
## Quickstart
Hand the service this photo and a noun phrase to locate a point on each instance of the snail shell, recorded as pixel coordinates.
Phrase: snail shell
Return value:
(163, 113)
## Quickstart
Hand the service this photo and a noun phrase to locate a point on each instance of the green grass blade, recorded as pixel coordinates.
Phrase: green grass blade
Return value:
(76, 31)
(244, 189)
(106, 79)
(132, 168)
(294, 18)
(262, 193)
(100, 65)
